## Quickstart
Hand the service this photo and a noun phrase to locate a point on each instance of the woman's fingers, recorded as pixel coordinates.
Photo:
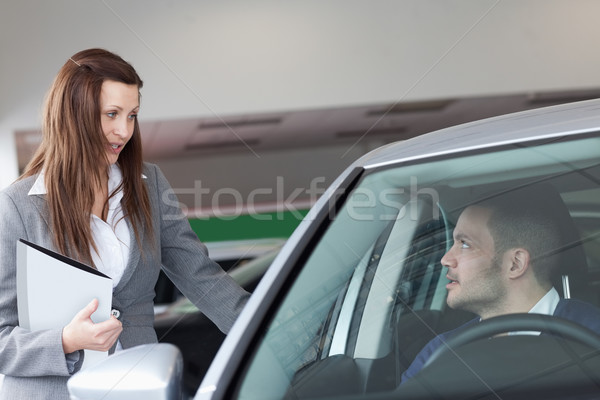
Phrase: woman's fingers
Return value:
(83, 333)
(87, 311)
(105, 334)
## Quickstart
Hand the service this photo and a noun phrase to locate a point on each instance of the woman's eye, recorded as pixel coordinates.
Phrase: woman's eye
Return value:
(111, 114)
(132, 116)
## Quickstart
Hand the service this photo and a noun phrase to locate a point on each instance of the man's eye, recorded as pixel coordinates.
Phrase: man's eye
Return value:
(464, 245)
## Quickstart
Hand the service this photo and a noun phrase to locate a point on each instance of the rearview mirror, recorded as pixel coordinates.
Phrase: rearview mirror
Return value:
(150, 371)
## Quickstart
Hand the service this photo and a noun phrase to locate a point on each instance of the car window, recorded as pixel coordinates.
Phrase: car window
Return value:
(372, 292)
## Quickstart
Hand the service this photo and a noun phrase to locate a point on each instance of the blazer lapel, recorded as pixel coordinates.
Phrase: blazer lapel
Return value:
(41, 204)
(134, 258)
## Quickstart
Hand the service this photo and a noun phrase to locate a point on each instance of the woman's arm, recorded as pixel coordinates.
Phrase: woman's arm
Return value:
(185, 260)
(24, 353)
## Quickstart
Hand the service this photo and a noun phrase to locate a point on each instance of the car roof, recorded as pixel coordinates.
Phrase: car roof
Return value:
(561, 120)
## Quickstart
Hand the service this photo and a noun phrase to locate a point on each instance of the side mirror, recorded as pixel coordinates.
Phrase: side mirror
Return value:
(150, 371)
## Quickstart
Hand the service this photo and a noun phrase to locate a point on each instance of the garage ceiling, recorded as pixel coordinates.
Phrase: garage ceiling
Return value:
(379, 123)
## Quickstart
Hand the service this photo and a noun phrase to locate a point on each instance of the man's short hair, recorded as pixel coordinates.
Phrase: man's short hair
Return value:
(529, 217)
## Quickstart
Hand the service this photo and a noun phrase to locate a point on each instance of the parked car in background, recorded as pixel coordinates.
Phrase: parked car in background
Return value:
(359, 289)
(228, 254)
(178, 321)
(182, 324)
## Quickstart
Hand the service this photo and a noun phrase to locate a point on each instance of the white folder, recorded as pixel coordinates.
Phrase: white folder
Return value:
(52, 289)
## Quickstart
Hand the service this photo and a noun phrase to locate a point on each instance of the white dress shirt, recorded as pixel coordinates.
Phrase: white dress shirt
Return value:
(546, 305)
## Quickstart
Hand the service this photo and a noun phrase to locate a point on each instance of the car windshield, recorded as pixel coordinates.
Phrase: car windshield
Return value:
(373, 291)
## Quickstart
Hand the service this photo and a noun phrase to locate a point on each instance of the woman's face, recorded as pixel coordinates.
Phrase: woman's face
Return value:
(119, 105)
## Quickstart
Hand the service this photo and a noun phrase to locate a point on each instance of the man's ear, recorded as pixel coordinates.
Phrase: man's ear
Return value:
(519, 259)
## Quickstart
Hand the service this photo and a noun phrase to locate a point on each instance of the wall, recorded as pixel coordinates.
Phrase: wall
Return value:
(205, 58)
(201, 58)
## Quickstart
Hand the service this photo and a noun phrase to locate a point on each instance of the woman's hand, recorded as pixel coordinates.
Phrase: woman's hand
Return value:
(82, 333)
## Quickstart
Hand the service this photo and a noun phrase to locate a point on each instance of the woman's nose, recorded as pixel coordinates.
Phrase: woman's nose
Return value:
(121, 128)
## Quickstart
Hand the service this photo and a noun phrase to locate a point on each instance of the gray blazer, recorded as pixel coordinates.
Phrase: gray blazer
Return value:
(33, 362)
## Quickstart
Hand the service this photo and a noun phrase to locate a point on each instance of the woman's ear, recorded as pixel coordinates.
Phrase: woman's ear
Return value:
(519, 259)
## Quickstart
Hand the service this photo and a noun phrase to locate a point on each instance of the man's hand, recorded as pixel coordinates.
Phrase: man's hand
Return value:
(82, 333)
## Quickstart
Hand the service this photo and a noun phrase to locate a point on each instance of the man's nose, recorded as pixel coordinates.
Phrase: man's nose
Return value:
(448, 260)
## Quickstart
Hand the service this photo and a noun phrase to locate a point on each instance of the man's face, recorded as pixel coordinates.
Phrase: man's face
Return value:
(475, 276)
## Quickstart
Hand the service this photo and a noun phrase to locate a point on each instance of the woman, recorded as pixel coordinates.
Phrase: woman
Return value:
(87, 194)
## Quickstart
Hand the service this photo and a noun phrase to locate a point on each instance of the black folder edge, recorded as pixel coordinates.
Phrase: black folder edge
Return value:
(65, 259)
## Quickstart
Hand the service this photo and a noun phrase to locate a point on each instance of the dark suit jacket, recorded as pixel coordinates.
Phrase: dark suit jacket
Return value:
(577, 311)
(34, 362)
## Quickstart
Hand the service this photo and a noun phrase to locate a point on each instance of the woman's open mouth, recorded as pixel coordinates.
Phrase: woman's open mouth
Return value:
(115, 148)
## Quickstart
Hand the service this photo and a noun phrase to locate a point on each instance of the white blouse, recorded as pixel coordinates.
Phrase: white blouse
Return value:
(111, 237)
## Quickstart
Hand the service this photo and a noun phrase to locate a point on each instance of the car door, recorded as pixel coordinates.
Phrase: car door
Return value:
(370, 290)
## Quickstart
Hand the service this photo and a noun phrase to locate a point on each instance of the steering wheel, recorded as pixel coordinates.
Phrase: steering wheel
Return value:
(519, 322)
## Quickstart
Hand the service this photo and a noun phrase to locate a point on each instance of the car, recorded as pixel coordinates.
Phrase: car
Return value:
(358, 289)
(229, 254)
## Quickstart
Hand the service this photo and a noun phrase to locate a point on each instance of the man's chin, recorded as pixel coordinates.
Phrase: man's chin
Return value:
(453, 302)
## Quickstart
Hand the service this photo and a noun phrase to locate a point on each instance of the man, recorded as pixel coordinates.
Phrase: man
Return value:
(506, 250)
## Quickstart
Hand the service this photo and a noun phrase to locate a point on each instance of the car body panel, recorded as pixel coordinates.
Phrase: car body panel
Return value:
(542, 123)
(151, 372)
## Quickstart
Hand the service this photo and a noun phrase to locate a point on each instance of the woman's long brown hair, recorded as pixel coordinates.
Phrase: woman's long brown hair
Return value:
(73, 146)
